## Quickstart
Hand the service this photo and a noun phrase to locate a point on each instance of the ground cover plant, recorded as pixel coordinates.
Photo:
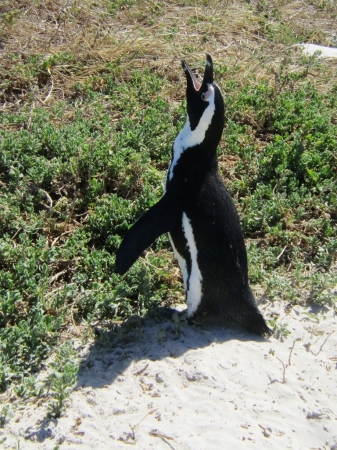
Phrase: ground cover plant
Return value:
(92, 97)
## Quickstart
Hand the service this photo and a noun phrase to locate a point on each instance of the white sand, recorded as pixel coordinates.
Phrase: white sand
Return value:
(209, 389)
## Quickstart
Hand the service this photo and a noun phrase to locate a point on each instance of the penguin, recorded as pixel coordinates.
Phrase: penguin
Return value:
(200, 217)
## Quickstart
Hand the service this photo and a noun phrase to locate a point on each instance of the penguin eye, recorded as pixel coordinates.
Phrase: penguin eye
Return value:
(203, 97)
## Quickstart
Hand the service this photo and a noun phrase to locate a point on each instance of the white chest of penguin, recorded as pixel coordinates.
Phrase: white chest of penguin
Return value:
(189, 138)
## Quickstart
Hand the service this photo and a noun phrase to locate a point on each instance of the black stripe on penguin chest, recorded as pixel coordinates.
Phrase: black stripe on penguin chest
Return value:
(181, 245)
(188, 174)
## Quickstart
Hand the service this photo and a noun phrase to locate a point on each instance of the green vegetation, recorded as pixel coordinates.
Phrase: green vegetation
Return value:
(85, 140)
(285, 183)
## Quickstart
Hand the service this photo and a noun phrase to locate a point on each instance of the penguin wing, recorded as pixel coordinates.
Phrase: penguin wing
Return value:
(161, 218)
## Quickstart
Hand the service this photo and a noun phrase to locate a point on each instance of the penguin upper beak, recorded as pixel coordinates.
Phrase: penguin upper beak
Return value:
(208, 75)
(192, 80)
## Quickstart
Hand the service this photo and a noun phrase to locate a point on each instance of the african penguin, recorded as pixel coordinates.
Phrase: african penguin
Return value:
(200, 216)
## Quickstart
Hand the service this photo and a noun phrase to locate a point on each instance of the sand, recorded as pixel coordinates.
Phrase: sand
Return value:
(203, 388)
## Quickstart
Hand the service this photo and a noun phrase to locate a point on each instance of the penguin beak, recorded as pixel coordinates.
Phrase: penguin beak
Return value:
(208, 75)
(192, 80)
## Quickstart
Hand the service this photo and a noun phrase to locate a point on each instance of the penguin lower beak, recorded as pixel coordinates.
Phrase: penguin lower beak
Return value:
(192, 80)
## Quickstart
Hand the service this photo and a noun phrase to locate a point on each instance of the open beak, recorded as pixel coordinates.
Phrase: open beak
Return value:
(192, 80)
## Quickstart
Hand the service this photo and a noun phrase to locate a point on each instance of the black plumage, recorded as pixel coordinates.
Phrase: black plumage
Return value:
(200, 216)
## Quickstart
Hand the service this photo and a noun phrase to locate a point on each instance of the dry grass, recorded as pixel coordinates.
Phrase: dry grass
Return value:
(36, 38)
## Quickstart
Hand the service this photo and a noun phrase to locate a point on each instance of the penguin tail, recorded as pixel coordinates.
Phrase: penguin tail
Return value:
(250, 316)
(257, 325)
(252, 320)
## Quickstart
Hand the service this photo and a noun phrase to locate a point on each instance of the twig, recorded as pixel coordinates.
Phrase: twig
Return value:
(142, 370)
(157, 434)
(280, 255)
(291, 350)
(284, 370)
(58, 237)
(319, 351)
(132, 435)
(16, 233)
(125, 440)
(57, 289)
(141, 420)
(289, 362)
(29, 122)
(51, 87)
(147, 263)
(82, 214)
(166, 442)
(273, 381)
(50, 201)
(164, 438)
(57, 276)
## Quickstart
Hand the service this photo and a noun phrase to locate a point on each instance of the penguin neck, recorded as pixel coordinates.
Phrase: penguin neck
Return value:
(205, 137)
(195, 133)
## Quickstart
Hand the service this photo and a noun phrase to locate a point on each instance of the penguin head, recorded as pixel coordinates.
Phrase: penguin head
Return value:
(201, 95)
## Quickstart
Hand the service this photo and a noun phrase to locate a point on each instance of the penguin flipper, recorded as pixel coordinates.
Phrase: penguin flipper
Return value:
(161, 218)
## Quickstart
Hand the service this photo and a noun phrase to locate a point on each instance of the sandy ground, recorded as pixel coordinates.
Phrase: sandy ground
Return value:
(206, 388)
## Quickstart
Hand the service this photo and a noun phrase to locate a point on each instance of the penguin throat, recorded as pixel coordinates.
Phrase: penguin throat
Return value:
(188, 138)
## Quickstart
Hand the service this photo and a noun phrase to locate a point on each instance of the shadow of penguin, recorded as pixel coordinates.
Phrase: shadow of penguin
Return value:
(149, 339)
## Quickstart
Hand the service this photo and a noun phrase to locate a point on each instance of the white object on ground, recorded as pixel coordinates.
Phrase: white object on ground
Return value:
(324, 52)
